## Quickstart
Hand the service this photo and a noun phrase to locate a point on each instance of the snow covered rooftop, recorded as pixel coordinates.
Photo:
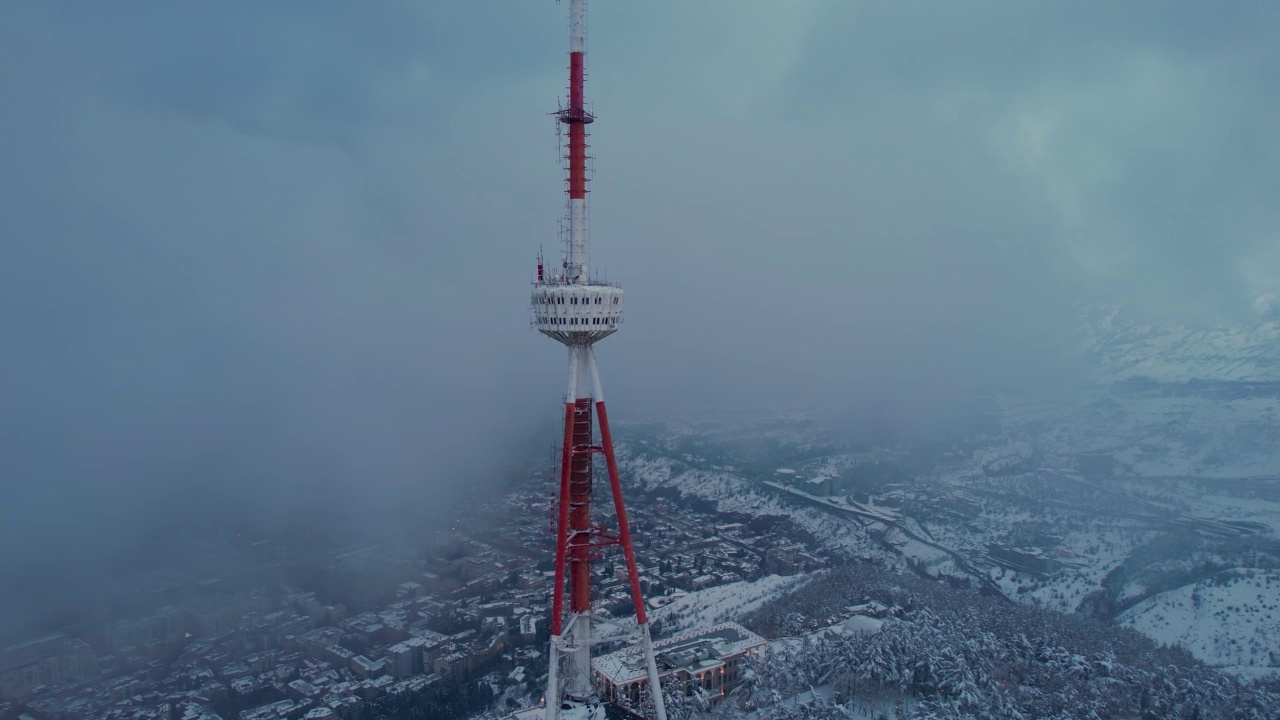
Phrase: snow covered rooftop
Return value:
(695, 650)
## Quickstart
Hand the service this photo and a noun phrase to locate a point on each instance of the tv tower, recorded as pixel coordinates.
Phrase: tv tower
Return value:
(577, 311)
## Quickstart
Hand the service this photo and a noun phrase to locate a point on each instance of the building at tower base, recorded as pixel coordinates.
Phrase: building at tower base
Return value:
(713, 659)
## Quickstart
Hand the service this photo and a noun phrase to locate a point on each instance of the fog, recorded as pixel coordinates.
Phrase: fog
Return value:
(270, 262)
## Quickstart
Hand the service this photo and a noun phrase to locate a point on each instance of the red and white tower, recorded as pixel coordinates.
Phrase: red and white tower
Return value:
(577, 311)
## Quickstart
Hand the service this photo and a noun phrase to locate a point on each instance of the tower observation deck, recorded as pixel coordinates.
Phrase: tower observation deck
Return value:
(577, 314)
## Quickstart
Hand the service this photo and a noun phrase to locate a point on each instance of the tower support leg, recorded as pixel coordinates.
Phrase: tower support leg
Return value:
(624, 536)
(562, 537)
(578, 683)
(578, 678)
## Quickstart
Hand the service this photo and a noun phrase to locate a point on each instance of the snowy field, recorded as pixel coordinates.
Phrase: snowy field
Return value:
(1230, 621)
(724, 603)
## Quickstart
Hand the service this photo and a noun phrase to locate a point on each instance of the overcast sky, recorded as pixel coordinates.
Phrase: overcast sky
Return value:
(252, 247)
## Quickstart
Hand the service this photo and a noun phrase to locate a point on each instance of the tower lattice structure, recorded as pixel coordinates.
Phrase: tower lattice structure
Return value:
(577, 311)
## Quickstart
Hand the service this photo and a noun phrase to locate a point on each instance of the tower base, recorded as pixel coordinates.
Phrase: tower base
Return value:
(578, 542)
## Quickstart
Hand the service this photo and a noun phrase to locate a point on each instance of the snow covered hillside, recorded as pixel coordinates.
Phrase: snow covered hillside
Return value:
(1127, 350)
(952, 654)
(1231, 620)
(712, 606)
(1120, 501)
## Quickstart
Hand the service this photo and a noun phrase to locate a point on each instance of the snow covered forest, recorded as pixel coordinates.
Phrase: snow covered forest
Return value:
(944, 653)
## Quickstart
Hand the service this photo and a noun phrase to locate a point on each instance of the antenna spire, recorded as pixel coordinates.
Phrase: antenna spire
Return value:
(576, 116)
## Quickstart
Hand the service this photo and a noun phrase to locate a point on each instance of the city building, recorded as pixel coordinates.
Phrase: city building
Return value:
(43, 662)
(712, 659)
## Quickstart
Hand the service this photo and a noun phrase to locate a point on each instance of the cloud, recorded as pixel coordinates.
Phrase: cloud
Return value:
(1126, 131)
(270, 248)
